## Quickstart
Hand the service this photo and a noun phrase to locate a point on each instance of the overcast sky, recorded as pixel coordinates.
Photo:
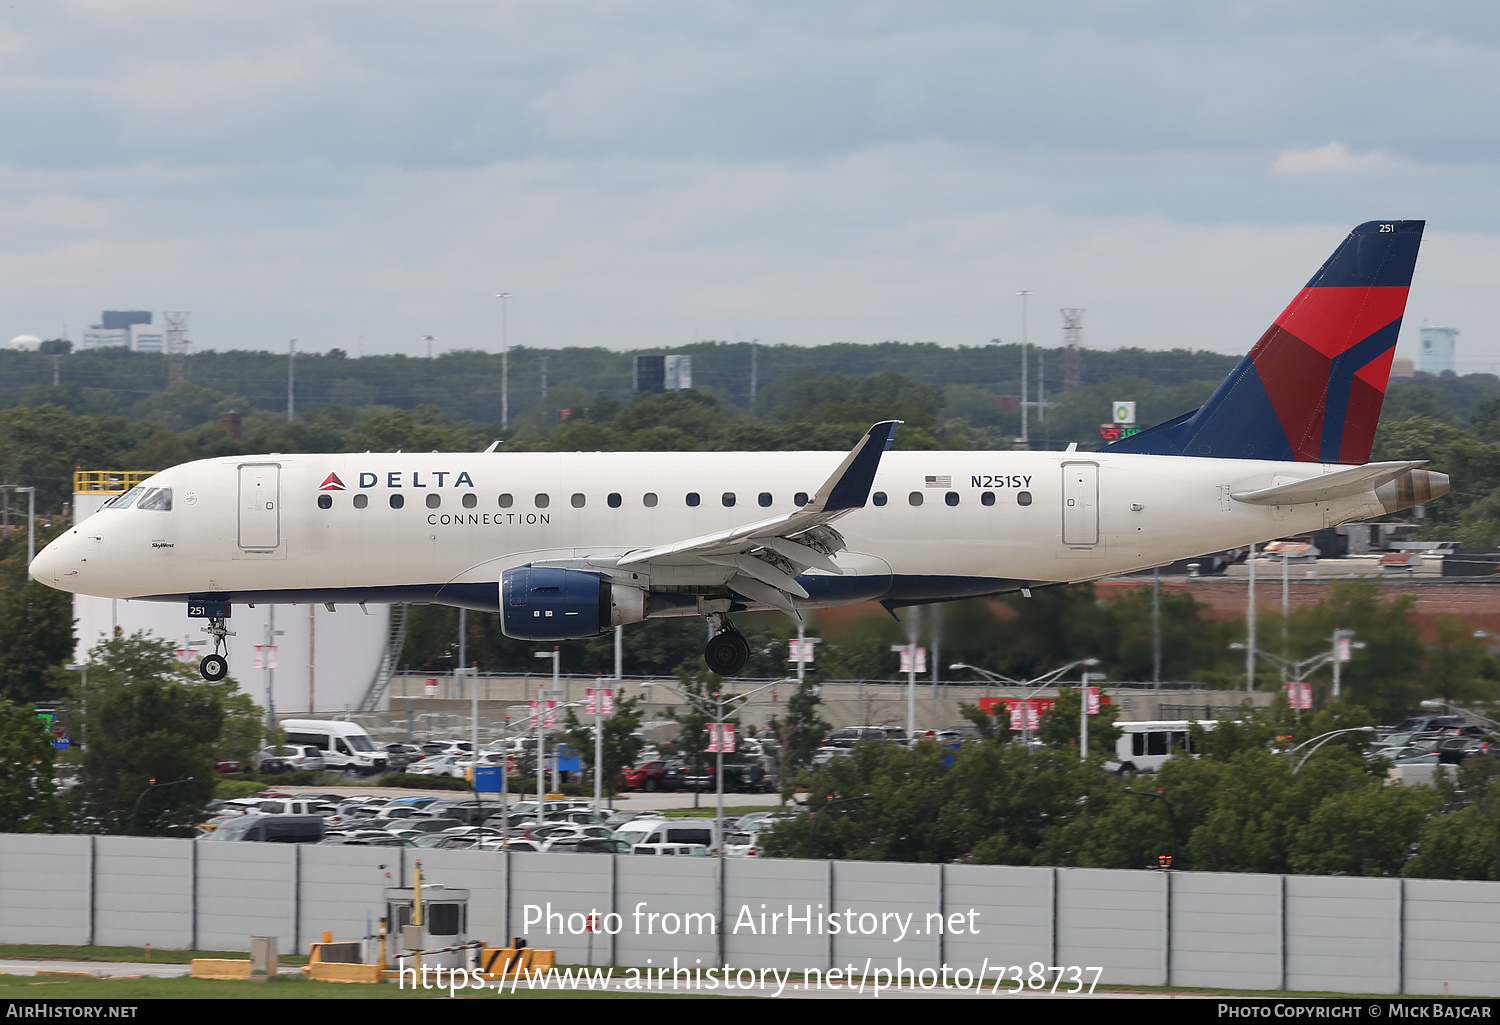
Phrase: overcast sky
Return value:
(656, 173)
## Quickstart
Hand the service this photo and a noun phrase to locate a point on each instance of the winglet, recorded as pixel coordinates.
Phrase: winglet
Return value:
(849, 487)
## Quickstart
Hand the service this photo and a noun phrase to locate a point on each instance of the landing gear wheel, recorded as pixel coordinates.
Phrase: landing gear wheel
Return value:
(214, 668)
(727, 653)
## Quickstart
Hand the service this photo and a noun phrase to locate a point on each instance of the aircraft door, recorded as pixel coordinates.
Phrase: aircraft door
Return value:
(260, 505)
(1080, 525)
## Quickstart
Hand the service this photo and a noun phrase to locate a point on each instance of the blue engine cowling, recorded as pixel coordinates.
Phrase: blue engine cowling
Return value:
(547, 604)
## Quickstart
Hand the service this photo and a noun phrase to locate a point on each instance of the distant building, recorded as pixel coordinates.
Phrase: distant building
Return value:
(128, 328)
(1402, 368)
(677, 373)
(26, 343)
(663, 373)
(1437, 350)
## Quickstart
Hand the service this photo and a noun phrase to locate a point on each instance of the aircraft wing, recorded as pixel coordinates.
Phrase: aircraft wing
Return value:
(763, 559)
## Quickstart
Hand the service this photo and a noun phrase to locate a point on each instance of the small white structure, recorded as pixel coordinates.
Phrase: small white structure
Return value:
(26, 343)
(1437, 350)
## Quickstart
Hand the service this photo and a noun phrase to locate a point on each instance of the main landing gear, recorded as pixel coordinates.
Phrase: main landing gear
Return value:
(727, 650)
(215, 667)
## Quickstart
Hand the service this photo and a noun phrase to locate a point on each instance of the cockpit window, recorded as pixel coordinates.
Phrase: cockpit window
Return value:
(124, 501)
(156, 500)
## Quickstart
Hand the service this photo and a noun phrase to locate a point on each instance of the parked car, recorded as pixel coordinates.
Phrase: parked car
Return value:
(270, 829)
(653, 776)
(742, 778)
(290, 758)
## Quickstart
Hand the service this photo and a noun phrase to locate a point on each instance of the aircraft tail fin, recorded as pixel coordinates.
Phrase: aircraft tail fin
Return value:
(1311, 388)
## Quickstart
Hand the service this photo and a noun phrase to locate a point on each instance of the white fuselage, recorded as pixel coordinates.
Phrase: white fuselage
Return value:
(251, 529)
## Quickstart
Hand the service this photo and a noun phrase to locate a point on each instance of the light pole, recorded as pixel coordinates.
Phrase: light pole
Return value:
(721, 707)
(541, 740)
(1322, 739)
(30, 518)
(504, 359)
(1040, 683)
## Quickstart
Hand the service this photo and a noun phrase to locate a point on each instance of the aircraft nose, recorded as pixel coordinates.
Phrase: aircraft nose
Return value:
(43, 568)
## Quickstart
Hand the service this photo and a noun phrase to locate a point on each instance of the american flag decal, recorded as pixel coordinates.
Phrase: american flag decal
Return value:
(945, 481)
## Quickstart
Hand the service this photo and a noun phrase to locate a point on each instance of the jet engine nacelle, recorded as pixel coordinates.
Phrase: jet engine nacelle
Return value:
(542, 603)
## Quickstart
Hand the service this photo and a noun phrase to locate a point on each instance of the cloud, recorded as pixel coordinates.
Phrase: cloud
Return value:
(1333, 157)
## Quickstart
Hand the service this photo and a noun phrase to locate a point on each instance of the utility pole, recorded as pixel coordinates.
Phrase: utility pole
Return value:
(291, 378)
(176, 345)
(544, 378)
(1025, 389)
(1072, 320)
(504, 360)
(753, 370)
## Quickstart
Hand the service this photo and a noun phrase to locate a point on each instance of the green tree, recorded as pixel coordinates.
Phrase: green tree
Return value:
(146, 718)
(36, 623)
(28, 794)
(1458, 666)
(1060, 727)
(621, 744)
(800, 732)
(1386, 675)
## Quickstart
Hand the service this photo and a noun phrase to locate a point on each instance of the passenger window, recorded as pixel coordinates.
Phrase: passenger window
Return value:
(951, 498)
(542, 501)
(915, 498)
(800, 499)
(728, 499)
(878, 498)
(360, 501)
(397, 501)
(1023, 497)
(649, 500)
(325, 501)
(471, 500)
(157, 500)
(506, 501)
(692, 498)
(613, 500)
(434, 500)
(988, 498)
(764, 499)
(578, 501)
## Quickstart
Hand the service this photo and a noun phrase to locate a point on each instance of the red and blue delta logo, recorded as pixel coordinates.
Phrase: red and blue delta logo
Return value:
(332, 483)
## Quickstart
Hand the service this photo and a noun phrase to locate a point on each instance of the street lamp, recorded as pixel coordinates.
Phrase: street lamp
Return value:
(541, 738)
(1038, 684)
(30, 517)
(1299, 671)
(722, 706)
(1322, 739)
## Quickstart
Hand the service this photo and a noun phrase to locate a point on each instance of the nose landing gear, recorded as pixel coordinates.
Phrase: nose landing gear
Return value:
(727, 650)
(215, 667)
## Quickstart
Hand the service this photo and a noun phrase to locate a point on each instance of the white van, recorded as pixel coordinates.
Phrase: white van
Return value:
(1145, 746)
(345, 745)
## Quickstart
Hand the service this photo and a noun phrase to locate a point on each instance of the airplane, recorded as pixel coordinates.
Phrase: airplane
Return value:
(569, 545)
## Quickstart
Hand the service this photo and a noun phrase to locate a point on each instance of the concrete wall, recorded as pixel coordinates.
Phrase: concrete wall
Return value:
(1351, 935)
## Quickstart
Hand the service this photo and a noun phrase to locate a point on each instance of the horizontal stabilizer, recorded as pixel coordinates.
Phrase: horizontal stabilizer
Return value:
(1329, 486)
